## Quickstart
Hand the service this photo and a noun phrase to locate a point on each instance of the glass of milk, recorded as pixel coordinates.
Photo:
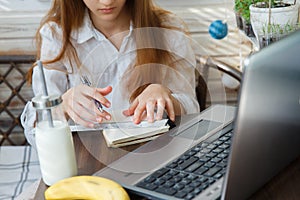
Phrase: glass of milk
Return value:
(54, 140)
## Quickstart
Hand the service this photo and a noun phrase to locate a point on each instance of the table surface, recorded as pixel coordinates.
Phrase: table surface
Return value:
(92, 154)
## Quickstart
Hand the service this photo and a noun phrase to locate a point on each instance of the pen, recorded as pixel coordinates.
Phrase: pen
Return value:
(86, 81)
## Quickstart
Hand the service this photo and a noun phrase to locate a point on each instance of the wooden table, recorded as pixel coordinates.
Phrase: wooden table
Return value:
(93, 154)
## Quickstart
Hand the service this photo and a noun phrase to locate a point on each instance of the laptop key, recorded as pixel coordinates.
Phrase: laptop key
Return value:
(216, 160)
(224, 146)
(190, 153)
(210, 181)
(172, 165)
(185, 181)
(193, 177)
(187, 163)
(209, 164)
(195, 184)
(196, 149)
(211, 146)
(222, 164)
(159, 182)
(224, 138)
(218, 142)
(178, 186)
(180, 195)
(170, 183)
(177, 179)
(212, 171)
(189, 196)
(218, 175)
(182, 174)
(148, 186)
(222, 155)
(194, 166)
(206, 150)
(167, 191)
(201, 170)
(197, 191)
(166, 176)
(149, 179)
(203, 179)
(173, 172)
(211, 154)
(217, 150)
(160, 172)
(187, 189)
(204, 159)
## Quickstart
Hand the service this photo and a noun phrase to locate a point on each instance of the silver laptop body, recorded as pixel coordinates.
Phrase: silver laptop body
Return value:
(266, 134)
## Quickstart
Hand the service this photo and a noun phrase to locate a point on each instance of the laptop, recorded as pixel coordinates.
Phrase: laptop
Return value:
(225, 152)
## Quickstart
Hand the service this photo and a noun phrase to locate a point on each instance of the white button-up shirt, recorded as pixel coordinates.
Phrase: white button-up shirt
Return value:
(105, 65)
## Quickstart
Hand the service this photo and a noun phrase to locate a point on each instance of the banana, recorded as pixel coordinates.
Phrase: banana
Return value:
(86, 187)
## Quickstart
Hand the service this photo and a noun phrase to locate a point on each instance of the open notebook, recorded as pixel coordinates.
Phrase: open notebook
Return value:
(121, 131)
(116, 137)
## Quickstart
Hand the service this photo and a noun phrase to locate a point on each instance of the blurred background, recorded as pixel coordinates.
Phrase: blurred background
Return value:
(19, 20)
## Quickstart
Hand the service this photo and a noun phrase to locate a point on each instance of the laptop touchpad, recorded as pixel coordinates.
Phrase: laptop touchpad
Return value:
(199, 129)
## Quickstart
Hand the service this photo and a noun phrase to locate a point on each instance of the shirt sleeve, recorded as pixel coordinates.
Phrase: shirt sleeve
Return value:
(181, 81)
(55, 76)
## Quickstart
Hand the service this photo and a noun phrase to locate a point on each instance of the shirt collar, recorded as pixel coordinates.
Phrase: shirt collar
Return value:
(88, 31)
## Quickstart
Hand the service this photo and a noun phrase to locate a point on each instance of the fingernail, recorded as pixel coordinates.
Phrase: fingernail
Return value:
(91, 125)
(99, 119)
(136, 121)
(107, 117)
(150, 120)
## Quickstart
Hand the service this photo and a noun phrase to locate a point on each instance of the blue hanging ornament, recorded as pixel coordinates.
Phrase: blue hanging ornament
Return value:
(218, 29)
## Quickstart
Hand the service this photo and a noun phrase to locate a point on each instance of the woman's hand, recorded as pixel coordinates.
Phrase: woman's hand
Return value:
(155, 96)
(78, 104)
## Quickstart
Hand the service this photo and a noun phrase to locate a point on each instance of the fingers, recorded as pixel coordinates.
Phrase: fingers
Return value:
(150, 107)
(160, 109)
(79, 119)
(131, 109)
(138, 113)
(98, 94)
(80, 106)
(73, 108)
(152, 102)
(170, 109)
(137, 110)
(153, 109)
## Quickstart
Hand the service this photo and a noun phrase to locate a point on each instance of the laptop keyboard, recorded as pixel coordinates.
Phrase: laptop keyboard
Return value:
(193, 171)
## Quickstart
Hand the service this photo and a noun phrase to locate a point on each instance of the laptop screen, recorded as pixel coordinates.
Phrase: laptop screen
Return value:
(267, 126)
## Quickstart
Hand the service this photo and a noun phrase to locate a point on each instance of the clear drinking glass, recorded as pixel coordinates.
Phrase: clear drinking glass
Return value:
(54, 140)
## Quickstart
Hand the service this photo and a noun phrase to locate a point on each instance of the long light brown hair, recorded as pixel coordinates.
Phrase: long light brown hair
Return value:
(69, 15)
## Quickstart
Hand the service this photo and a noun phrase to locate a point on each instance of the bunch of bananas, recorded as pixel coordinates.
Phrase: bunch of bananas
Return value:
(86, 187)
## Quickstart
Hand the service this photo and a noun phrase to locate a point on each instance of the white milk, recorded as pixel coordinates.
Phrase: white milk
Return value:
(55, 151)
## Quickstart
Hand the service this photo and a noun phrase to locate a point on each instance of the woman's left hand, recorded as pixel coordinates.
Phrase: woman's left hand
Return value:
(154, 97)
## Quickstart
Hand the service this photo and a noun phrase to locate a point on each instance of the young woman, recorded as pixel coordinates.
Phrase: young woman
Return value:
(137, 56)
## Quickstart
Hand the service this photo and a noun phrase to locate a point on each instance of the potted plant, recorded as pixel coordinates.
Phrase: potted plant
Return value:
(274, 32)
(269, 16)
(242, 12)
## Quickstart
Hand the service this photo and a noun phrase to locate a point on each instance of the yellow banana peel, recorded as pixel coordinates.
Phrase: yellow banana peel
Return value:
(86, 187)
